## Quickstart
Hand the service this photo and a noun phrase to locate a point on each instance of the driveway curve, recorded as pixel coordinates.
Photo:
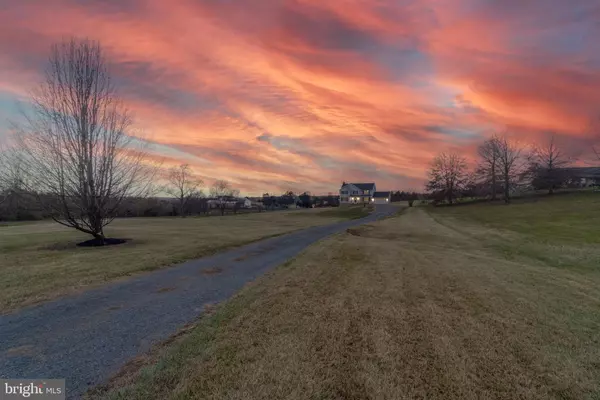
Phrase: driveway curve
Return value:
(86, 338)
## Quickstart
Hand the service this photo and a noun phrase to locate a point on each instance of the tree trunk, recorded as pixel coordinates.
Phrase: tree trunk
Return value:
(100, 238)
(506, 190)
(98, 234)
(493, 183)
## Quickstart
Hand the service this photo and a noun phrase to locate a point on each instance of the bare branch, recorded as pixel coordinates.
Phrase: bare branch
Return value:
(183, 185)
(222, 192)
(76, 145)
(546, 164)
(511, 165)
(488, 168)
(448, 175)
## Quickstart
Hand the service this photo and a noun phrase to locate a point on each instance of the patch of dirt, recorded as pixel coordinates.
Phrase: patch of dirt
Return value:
(364, 230)
(211, 271)
(100, 243)
(253, 253)
(243, 257)
(21, 350)
(166, 289)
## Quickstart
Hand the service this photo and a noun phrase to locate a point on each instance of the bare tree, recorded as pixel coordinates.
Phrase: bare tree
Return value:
(4, 180)
(510, 163)
(546, 165)
(222, 191)
(76, 146)
(12, 177)
(184, 186)
(447, 175)
(488, 167)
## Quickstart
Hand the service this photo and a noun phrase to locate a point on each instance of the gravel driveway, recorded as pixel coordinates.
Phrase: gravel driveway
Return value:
(88, 337)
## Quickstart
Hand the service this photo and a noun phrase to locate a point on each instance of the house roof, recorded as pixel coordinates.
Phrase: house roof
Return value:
(361, 186)
(381, 194)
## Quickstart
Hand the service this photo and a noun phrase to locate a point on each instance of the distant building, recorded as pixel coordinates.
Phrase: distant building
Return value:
(382, 197)
(357, 193)
(582, 176)
(222, 202)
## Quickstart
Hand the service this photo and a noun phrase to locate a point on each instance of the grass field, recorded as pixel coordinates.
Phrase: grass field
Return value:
(560, 231)
(346, 212)
(570, 218)
(408, 307)
(39, 260)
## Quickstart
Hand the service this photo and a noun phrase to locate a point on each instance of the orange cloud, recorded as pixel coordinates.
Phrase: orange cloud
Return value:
(303, 94)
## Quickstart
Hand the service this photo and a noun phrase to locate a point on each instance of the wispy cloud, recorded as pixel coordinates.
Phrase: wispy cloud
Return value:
(302, 94)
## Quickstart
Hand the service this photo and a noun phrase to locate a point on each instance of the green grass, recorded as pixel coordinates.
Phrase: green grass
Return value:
(557, 231)
(39, 261)
(564, 218)
(402, 308)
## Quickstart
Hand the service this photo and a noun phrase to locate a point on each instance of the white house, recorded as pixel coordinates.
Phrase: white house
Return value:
(357, 193)
(247, 202)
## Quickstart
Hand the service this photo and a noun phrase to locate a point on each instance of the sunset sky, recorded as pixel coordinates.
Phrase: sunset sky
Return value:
(302, 94)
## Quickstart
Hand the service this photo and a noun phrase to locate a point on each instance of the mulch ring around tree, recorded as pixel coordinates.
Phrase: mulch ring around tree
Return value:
(99, 243)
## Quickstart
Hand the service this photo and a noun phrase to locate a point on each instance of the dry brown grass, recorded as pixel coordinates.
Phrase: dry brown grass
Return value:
(39, 261)
(400, 309)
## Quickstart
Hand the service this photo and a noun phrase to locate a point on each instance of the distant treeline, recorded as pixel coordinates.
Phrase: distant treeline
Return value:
(505, 168)
(20, 205)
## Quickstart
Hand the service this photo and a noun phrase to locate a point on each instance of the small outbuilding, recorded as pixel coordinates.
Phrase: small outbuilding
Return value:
(382, 197)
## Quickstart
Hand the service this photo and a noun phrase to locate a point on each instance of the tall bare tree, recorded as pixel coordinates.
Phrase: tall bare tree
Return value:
(448, 175)
(12, 179)
(222, 191)
(4, 176)
(184, 186)
(488, 167)
(76, 146)
(546, 163)
(510, 163)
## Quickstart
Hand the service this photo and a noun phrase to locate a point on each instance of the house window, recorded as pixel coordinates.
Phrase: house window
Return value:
(354, 192)
(366, 192)
(344, 192)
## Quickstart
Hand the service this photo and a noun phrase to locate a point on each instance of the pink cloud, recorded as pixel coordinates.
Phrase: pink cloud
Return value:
(338, 90)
